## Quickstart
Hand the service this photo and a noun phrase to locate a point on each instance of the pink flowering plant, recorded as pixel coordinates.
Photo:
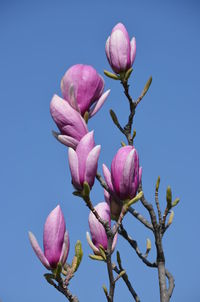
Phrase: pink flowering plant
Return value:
(83, 95)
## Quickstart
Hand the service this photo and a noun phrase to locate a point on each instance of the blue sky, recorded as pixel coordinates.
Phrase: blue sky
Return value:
(40, 40)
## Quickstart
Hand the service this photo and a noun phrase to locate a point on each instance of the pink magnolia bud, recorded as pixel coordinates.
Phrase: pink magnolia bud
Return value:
(83, 162)
(82, 87)
(125, 174)
(120, 51)
(97, 230)
(55, 240)
(70, 123)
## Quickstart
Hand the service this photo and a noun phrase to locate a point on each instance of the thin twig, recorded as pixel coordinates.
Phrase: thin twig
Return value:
(134, 245)
(102, 182)
(92, 209)
(149, 207)
(143, 220)
(132, 106)
(164, 218)
(171, 283)
(110, 269)
(131, 210)
(127, 282)
(158, 206)
(119, 221)
(164, 228)
(110, 237)
(65, 291)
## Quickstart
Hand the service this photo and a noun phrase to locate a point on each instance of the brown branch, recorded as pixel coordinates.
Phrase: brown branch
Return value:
(158, 206)
(65, 291)
(102, 181)
(110, 296)
(149, 207)
(92, 209)
(120, 219)
(167, 210)
(171, 283)
(157, 230)
(134, 245)
(132, 106)
(165, 227)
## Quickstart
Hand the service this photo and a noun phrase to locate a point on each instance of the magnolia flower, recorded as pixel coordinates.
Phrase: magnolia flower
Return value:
(120, 51)
(97, 230)
(83, 162)
(70, 123)
(55, 241)
(82, 87)
(125, 175)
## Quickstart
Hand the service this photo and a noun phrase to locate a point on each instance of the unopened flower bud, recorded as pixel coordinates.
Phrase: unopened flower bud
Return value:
(82, 87)
(125, 175)
(70, 123)
(120, 50)
(83, 162)
(98, 233)
(55, 241)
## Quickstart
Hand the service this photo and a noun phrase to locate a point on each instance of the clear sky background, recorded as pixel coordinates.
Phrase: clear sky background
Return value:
(39, 41)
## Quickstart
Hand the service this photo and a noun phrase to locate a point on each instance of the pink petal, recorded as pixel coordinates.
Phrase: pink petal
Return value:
(114, 242)
(107, 177)
(66, 140)
(108, 49)
(133, 50)
(91, 165)
(127, 175)
(93, 247)
(119, 51)
(135, 182)
(68, 120)
(120, 26)
(87, 84)
(84, 147)
(38, 250)
(107, 197)
(73, 165)
(140, 174)
(54, 230)
(96, 228)
(117, 167)
(65, 249)
(99, 89)
(99, 103)
(72, 130)
(73, 101)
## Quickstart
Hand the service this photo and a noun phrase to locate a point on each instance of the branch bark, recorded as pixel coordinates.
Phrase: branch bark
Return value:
(134, 245)
(65, 291)
(143, 220)
(127, 282)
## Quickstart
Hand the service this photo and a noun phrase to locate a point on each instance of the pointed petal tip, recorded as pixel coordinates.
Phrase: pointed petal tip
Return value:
(93, 247)
(99, 103)
(39, 253)
(65, 248)
(114, 242)
(55, 134)
(56, 210)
